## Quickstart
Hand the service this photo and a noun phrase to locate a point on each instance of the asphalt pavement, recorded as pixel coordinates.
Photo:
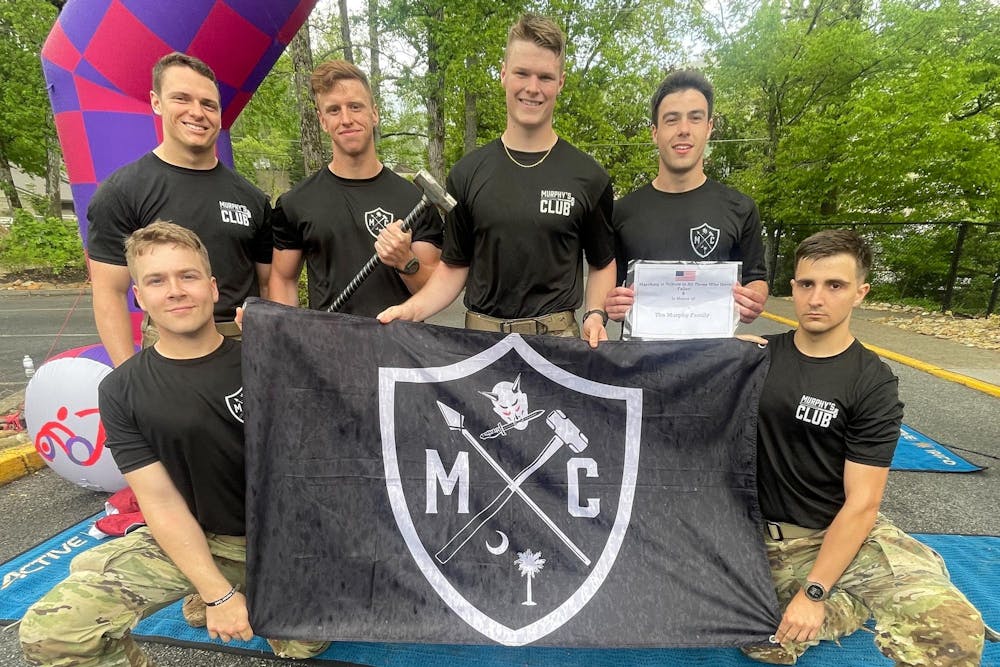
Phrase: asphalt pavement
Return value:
(958, 416)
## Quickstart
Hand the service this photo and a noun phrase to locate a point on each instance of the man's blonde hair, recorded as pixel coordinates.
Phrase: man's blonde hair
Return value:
(161, 233)
(540, 31)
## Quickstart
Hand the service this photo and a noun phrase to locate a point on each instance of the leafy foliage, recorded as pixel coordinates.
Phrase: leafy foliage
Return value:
(26, 128)
(41, 242)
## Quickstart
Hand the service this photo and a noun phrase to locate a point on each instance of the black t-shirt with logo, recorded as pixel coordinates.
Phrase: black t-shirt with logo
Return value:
(334, 221)
(521, 230)
(229, 215)
(188, 415)
(815, 414)
(713, 222)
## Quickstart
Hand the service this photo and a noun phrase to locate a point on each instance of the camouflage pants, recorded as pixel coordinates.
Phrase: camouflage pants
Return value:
(921, 618)
(86, 620)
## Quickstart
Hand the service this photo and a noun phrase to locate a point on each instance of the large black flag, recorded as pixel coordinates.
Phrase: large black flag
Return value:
(418, 483)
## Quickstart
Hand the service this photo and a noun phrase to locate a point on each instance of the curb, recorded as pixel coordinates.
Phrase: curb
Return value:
(22, 460)
(18, 462)
(52, 291)
(936, 371)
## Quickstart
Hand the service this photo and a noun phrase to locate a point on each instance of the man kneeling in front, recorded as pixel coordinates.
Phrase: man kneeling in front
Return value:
(174, 422)
(828, 426)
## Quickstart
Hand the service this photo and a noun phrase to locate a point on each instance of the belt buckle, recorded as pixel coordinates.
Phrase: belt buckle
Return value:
(774, 530)
(521, 325)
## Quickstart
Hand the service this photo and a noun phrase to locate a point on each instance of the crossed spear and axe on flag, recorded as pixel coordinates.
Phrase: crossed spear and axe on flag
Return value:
(566, 433)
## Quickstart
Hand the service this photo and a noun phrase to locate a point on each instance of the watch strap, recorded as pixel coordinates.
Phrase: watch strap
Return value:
(599, 311)
(410, 267)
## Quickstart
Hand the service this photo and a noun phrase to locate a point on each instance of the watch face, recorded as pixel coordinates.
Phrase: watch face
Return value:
(815, 592)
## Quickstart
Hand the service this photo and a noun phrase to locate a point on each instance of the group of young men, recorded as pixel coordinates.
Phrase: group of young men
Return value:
(531, 208)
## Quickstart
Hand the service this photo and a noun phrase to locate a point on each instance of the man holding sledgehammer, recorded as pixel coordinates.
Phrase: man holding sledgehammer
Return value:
(332, 221)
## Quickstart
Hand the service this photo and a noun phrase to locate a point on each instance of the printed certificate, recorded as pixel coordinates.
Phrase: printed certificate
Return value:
(677, 300)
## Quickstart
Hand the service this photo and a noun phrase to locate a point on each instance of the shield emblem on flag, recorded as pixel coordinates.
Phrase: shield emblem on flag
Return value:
(511, 481)
(377, 219)
(704, 239)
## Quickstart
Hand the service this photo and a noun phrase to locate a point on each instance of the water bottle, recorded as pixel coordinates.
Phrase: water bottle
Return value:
(29, 366)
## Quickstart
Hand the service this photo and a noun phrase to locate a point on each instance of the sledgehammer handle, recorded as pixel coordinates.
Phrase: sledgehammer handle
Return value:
(367, 269)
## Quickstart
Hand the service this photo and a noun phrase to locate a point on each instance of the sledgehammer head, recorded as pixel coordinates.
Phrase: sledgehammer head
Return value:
(433, 191)
(567, 431)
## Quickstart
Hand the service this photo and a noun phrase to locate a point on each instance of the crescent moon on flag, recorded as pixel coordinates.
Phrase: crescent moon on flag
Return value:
(500, 548)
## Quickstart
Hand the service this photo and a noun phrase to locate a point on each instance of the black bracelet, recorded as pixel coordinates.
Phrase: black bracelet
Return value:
(599, 311)
(223, 599)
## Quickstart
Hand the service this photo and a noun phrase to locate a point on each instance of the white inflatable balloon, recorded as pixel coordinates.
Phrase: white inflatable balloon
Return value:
(60, 407)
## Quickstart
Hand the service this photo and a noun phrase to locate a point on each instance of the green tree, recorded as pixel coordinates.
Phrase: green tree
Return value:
(26, 128)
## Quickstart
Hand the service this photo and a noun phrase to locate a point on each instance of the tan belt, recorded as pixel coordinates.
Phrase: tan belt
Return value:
(551, 323)
(778, 530)
(229, 329)
(150, 334)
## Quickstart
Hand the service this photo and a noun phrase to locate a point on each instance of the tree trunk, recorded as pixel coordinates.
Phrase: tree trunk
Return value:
(53, 179)
(345, 32)
(7, 183)
(374, 68)
(313, 155)
(471, 111)
(435, 101)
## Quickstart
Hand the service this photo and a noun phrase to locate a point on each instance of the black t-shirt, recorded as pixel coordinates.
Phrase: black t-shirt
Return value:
(229, 215)
(521, 231)
(334, 221)
(815, 414)
(188, 415)
(710, 223)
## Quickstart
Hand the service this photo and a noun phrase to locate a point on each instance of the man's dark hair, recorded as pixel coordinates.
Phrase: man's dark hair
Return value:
(831, 242)
(687, 79)
(178, 59)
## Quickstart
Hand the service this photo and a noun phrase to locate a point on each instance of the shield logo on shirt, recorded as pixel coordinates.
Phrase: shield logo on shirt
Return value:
(704, 239)
(234, 402)
(377, 219)
(480, 492)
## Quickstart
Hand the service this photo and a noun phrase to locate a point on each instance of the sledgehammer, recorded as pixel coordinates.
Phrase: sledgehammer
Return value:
(566, 433)
(433, 195)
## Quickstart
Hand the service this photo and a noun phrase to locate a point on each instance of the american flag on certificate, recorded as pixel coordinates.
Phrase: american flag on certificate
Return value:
(684, 275)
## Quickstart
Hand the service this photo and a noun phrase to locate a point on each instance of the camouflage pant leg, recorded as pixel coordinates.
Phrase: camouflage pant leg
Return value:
(86, 619)
(790, 561)
(233, 552)
(921, 618)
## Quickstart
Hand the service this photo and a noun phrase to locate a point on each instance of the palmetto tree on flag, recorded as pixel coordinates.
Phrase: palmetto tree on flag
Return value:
(529, 564)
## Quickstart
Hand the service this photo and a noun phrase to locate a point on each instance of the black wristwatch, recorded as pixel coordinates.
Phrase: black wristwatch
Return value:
(602, 313)
(815, 591)
(411, 267)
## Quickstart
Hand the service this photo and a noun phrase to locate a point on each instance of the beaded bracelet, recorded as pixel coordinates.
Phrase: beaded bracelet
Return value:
(224, 598)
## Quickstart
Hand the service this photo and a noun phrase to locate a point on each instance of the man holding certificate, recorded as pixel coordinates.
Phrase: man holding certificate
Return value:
(683, 215)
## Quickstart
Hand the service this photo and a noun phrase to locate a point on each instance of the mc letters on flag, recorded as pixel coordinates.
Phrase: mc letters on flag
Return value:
(415, 483)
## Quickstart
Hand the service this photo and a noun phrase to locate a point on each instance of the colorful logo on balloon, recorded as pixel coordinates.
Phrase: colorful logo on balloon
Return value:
(56, 435)
(60, 407)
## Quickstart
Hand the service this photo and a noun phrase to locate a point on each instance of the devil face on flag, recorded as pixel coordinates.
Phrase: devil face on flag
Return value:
(405, 477)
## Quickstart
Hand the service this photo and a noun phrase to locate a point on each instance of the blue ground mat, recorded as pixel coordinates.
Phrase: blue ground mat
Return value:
(974, 563)
(916, 451)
